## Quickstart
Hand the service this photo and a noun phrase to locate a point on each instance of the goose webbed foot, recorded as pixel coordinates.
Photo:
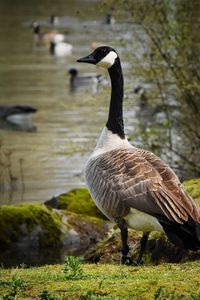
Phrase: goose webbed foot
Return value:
(137, 263)
(143, 243)
(126, 260)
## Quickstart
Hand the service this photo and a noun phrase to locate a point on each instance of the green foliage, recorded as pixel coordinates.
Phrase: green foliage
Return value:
(170, 61)
(92, 295)
(80, 202)
(46, 295)
(72, 267)
(163, 293)
(10, 296)
(14, 284)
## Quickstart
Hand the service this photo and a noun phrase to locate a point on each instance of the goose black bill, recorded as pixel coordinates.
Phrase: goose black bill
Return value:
(87, 59)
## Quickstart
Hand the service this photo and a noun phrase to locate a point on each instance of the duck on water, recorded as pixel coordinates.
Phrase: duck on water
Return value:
(131, 186)
(17, 117)
(46, 37)
(83, 81)
(60, 49)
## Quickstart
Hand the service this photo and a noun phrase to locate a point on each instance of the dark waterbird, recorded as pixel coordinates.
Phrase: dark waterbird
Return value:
(110, 20)
(80, 81)
(53, 19)
(60, 49)
(17, 117)
(134, 187)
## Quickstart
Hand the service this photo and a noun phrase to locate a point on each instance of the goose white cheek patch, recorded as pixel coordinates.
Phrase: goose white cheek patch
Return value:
(108, 60)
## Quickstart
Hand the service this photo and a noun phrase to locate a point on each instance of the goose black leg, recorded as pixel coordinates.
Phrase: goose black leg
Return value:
(143, 243)
(125, 259)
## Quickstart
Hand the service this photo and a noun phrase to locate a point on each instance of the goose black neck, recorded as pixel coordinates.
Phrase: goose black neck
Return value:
(36, 29)
(52, 48)
(115, 121)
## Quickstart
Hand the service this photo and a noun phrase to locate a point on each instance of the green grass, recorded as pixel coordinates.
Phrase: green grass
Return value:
(103, 281)
(90, 281)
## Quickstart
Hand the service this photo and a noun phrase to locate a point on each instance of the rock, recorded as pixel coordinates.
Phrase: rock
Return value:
(34, 234)
(78, 201)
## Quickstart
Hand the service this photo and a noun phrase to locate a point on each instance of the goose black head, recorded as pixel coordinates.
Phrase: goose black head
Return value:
(52, 47)
(103, 56)
(36, 27)
(73, 72)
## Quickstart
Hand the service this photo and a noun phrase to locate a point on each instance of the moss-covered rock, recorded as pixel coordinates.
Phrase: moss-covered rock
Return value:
(193, 188)
(30, 223)
(87, 230)
(158, 250)
(78, 201)
(34, 233)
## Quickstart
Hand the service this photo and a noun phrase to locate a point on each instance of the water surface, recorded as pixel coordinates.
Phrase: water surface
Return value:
(50, 160)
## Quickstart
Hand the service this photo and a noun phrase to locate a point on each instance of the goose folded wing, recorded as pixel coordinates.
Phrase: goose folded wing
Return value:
(133, 181)
(172, 183)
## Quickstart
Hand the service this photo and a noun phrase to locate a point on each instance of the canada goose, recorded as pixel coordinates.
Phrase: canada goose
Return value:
(46, 37)
(152, 112)
(83, 81)
(53, 20)
(134, 187)
(110, 20)
(145, 108)
(142, 94)
(18, 115)
(60, 49)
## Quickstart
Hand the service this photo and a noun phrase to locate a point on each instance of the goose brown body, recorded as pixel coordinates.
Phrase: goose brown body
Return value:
(125, 181)
(133, 178)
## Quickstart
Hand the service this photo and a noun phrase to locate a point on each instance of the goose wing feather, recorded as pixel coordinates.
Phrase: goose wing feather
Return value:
(172, 183)
(124, 178)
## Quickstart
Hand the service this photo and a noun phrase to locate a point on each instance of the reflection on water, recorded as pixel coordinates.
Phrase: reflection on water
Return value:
(31, 257)
(50, 160)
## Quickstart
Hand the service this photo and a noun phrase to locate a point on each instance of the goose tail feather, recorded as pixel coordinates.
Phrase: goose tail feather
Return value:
(186, 235)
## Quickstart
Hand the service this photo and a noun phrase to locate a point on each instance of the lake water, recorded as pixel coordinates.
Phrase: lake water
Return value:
(50, 160)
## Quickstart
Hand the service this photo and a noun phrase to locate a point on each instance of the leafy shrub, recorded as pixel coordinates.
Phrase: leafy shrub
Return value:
(72, 267)
(49, 296)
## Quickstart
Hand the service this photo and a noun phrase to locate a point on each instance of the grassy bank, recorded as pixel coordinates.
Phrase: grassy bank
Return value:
(166, 281)
(92, 281)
